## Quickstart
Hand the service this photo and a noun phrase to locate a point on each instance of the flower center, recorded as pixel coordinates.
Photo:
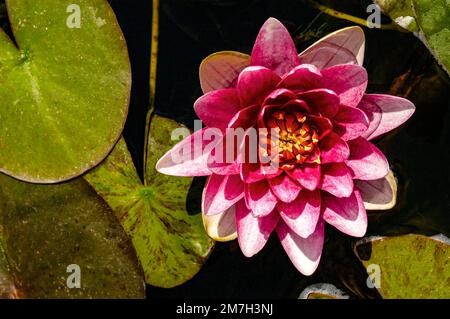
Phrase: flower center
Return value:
(297, 139)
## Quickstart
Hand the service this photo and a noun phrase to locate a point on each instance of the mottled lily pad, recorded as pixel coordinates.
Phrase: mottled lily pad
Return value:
(44, 229)
(170, 240)
(64, 88)
(410, 266)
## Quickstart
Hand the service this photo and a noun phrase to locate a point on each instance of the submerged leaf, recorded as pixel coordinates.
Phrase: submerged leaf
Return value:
(46, 228)
(170, 241)
(411, 266)
(65, 88)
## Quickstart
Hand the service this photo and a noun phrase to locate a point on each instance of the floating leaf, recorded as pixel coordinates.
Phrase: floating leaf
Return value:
(64, 91)
(322, 291)
(170, 241)
(411, 266)
(428, 19)
(46, 228)
(433, 18)
(400, 11)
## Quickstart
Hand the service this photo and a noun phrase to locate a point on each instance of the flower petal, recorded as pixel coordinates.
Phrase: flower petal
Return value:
(378, 194)
(322, 125)
(245, 118)
(346, 214)
(274, 48)
(217, 108)
(221, 192)
(340, 47)
(220, 70)
(333, 149)
(303, 213)
(221, 227)
(323, 101)
(253, 232)
(259, 198)
(255, 83)
(302, 78)
(284, 188)
(307, 176)
(366, 161)
(190, 156)
(337, 180)
(385, 113)
(304, 253)
(350, 123)
(348, 81)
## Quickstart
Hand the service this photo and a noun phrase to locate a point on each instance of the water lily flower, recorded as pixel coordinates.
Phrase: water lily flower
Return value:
(328, 170)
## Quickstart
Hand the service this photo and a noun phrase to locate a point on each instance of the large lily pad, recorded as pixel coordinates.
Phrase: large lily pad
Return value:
(411, 266)
(64, 91)
(428, 19)
(46, 228)
(170, 240)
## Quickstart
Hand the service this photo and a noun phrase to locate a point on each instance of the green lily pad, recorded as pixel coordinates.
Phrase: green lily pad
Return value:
(400, 11)
(411, 266)
(64, 90)
(46, 228)
(433, 17)
(428, 19)
(171, 242)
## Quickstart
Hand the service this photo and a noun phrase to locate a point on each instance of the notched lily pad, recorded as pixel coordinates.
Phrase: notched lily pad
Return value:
(170, 241)
(46, 228)
(64, 89)
(411, 266)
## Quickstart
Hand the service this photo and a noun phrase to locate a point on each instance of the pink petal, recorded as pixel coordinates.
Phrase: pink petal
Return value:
(220, 70)
(221, 227)
(303, 77)
(333, 149)
(304, 253)
(366, 161)
(346, 214)
(303, 213)
(274, 48)
(221, 192)
(246, 117)
(190, 156)
(307, 176)
(321, 124)
(350, 123)
(253, 232)
(227, 155)
(348, 81)
(323, 101)
(337, 180)
(217, 108)
(259, 198)
(279, 97)
(251, 172)
(255, 83)
(340, 47)
(385, 113)
(284, 188)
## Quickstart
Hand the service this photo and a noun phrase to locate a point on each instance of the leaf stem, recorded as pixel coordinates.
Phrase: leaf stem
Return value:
(153, 73)
(348, 17)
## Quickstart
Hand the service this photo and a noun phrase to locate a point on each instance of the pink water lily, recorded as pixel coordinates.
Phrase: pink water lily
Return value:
(328, 170)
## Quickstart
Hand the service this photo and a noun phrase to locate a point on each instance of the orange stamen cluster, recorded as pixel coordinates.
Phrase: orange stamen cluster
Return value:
(297, 139)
